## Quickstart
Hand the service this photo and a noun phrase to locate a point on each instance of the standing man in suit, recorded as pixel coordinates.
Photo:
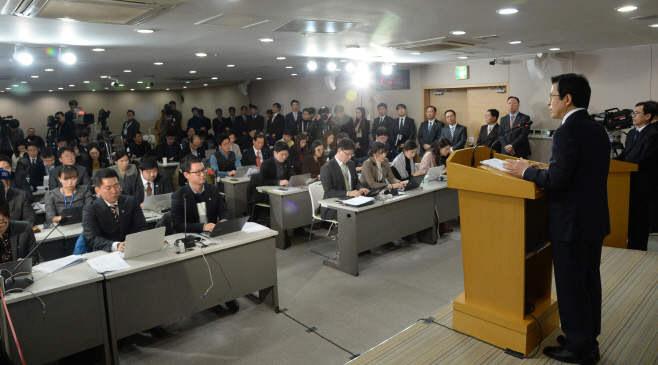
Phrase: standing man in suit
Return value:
(342, 119)
(255, 155)
(453, 132)
(278, 123)
(240, 122)
(294, 117)
(255, 120)
(67, 157)
(404, 128)
(324, 124)
(576, 184)
(382, 120)
(516, 144)
(65, 129)
(339, 177)
(220, 124)
(148, 182)
(490, 129)
(642, 149)
(653, 209)
(429, 131)
(129, 128)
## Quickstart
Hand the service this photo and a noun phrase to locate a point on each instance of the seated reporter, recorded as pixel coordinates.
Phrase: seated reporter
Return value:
(96, 158)
(16, 238)
(298, 151)
(67, 158)
(17, 180)
(109, 219)
(19, 205)
(67, 196)
(376, 172)
(122, 166)
(224, 161)
(147, 182)
(438, 156)
(277, 170)
(43, 167)
(403, 166)
(382, 136)
(170, 149)
(332, 154)
(314, 160)
(339, 177)
(138, 148)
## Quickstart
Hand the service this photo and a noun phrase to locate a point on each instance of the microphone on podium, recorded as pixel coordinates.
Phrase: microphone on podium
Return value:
(527, 124)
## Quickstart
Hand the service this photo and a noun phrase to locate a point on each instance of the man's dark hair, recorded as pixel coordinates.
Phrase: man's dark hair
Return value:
(433, 107)
(287, 132)
(83, 133)
(280, 146)
(31, 144)
(252, 106)
(221, 138)
(104, 173)
(148, 163)
(187, 161)
(575, 85)
(341, 135)
(231, 108)
(269, 112)
(410, 145)
(172, 102)
(494, 113)
(251, 127)
(382, 105)
(136, 133)
(376, 148)
(339, 109)
(450, 110)
(47, 152)
(306, 110)
(401, 106)
(294, 101)
(131, 111)
(381, 131)
(655, 106)
(72, 102)
(202, 134)
(346, 144)
(31, 128)
(514, 97)
(188, 129)
(648, 108)
(200, 111)
(258, 135)
(61, 150)
(195, 108)
(59, 113)
(277, 105)
(242, 107)
(218, 110)
(172, 133)
(311, 110)
(5, 159)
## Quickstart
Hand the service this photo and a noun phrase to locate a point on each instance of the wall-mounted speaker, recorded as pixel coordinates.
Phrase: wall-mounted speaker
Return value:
(330, 81)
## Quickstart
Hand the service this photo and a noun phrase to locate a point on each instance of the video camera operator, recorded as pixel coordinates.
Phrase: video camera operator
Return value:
(70, 115)
(66, 128)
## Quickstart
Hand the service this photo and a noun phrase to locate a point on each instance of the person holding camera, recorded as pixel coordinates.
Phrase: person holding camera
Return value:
(65, 128)
(324, 124)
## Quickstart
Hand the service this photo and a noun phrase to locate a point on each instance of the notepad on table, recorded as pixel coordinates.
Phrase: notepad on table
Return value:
(55, 265)
(107, 263)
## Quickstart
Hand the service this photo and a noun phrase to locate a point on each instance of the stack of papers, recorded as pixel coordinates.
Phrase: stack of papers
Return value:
(55, 265)
(359, 201)
(107, 263)
(496, 163)
(251, 227)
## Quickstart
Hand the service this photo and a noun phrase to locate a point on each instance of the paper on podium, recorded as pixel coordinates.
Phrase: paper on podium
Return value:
(59, 264)
(107, 263)
(496, 163)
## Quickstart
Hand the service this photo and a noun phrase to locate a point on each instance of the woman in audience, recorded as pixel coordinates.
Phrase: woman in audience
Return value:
(315, 159)
(96, 160)
(67, 196)
(329, 142)
(403, 165)
(19, 151)
(359, 134)
(16, 238)
(81, 159)
(297, 153)
(234, 147)
(123, 166)
(438, 156)
(376, 172)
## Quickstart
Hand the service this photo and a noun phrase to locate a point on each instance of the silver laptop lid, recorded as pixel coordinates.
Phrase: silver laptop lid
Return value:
(298, 180)
(157, 202)
(144, 242)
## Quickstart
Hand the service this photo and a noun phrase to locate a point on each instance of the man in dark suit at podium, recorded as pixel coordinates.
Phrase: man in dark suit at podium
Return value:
(577, 194)
(516, 144)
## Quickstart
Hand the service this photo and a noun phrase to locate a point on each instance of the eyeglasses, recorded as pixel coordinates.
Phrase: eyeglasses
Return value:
(198, 173)
(348, 154)
(551, 96)
(636, 113)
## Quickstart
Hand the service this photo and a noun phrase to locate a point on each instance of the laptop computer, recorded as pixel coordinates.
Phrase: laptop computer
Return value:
(8, 268)
(157, 202)
(71, 216)
(414, 182)
(244, 170)
(144, 242)
(435, 173)
(230, 226)
(298, 180)
(374, 192)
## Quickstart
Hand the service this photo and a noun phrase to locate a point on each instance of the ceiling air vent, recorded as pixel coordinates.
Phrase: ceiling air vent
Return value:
(7, 78)
(435, 44)
(91, 11)
(489, 38)
(233, 21)
(316, 26)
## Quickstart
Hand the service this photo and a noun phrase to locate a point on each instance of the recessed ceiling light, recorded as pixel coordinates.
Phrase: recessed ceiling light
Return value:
(103, 77)
(214, 78)
(259, 78)
(201, 54)
(230, 65)
(280, 58)
(66, 19)
(95, 89)
(132, 89)
(294, 74)
(507, 11)
(127, 71)
(654, 25)
(158, 63)
(35, 77)
(624, 9)
(415, 53)
(288, 66)
(554, 49)
(515, 42)
(148, 87)
(192, 72)
(462, 57)
(15, 85)
(98, 49)
(23, 82)
(144, 31)
(72, 85)
(184, 87)
(187, 82)
(266, 40)
(458, 32)
(48, 91)
(86, 82)
(140, 82)
(8, 88)
(120, 85)
(205, 84)
(106, 88)
(60, 88)
(342, 61)
(167, 89)
(49, 70)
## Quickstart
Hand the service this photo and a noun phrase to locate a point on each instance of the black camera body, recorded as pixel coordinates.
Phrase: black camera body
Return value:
(51, 121)
(615, 119)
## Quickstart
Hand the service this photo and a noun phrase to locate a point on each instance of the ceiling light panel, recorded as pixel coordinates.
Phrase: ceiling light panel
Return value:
(233, 21)
(316, 26)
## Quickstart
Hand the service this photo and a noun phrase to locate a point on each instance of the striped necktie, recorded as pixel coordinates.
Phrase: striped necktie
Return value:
(347, 183)
(114, 212)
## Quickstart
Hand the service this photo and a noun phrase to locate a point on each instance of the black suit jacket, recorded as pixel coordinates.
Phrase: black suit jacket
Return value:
(277, 126)
(99, 228)
(458, 140)
(333, 183)
(215, 208)
(24, 165)
(220, 125)
(388, 123)
(133, 186)
(36, 139)
(425, 136)
(408, 131)
(494, 134)
(22, 240)
(66, 132)
(319, 128)
(19, 206)
(518, 139)
(19, 181)
(140, 150)
(258, 123)
(83, 177)
(291, 123)
(576, 181)
(163, 151)
(249, 156)
(268, 173)
(186, 150)
(642, 151)
(36, 173)
(134, 127)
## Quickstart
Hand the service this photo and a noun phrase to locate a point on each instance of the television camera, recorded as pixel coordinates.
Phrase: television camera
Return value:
(615, 121)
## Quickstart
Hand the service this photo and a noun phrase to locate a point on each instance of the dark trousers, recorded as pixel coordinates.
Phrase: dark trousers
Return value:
(653, 212)
(578, 284)
(639, 220)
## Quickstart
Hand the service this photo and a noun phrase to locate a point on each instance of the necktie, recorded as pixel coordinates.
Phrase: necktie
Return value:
(148, 189)
(114, 212)
(295, 116)
(401, 123)
(635, 135)
(430, 126)
(488, 130)
(511, 121)
(258, 159)
(381, 120)
(347, 183)
(452, 132)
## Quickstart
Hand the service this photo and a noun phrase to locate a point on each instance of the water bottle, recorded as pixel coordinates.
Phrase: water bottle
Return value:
(426, 180)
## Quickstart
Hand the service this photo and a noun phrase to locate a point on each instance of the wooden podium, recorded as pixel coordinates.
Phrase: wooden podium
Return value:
(506, 253)
(619, 189)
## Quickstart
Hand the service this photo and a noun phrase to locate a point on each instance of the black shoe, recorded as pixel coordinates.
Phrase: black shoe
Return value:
(157, 332)
(301, 232)
(560, 353)
(562, 340)
(233, 305)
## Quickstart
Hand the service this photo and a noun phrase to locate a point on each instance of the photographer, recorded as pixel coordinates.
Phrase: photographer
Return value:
(65, 128)
(324, 124)
(70, 115)
(129, 128)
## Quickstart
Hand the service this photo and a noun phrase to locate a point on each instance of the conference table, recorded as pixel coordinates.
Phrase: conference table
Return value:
(363, 228)
(290, 208)
(235, 195)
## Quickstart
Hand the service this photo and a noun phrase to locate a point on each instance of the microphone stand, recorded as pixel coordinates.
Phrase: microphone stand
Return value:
(22, 283)
(528, 124)
(187, 242)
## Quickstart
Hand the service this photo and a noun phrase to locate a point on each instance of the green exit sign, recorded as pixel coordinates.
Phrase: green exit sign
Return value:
(461, 72)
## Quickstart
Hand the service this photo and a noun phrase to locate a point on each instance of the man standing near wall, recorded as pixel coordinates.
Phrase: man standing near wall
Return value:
(516, 144)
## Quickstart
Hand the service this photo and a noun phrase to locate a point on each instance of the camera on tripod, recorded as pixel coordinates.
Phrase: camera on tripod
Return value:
(103, 114)
(615, 119)
(9, 121)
